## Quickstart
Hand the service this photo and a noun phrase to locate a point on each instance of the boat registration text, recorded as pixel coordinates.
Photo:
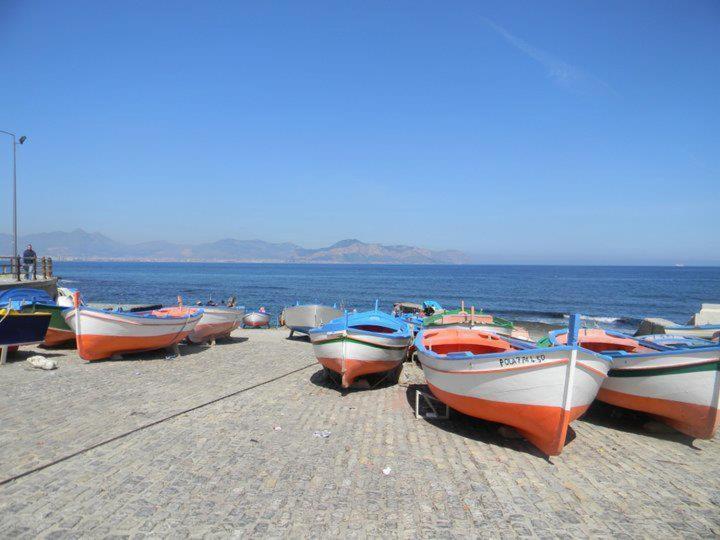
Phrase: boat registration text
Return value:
(522, 360)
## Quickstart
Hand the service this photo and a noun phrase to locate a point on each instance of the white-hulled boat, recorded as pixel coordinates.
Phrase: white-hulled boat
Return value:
(102, 334)
(704, 331)
(674, 379)
(256, 319)
(537, 390)
(217, 322)
(361, 343)
(303, 318)
(705, 324)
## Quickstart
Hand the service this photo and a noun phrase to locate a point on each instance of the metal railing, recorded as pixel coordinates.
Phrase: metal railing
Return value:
(17, 268)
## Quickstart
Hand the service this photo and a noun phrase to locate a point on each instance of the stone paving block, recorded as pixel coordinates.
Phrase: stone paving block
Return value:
(225, 471)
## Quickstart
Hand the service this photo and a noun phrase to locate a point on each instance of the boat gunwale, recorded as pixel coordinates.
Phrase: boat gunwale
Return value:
(522, 344)
(660, 350)
(134, 318)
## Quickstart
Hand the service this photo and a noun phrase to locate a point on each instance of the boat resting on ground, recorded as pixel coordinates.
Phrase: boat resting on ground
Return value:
(217, 322)
(18, 328)
(478, 321)
(360, 344)
(674, 381)
(256, 319)
(103, 334)
(705, 324)
(537, 391)
(305, 317)
(28, 300)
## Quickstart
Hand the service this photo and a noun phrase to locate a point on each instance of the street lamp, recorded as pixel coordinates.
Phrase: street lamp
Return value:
(21, 140)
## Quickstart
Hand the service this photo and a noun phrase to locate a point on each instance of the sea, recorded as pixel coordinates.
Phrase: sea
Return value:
(616, 297)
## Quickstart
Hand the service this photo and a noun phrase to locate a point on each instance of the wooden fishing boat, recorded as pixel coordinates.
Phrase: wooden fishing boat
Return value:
(705, 324)
(410, 313)
(217, 322)
(29, 300)
(256, 319)
(360, 344)
(103, 334)
(476, 320)
(705, 331)
(303, 318)
(18, 328)
(675, 382)
(538, 391)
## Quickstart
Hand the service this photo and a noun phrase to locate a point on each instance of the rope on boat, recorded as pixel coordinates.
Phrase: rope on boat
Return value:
(148, 425)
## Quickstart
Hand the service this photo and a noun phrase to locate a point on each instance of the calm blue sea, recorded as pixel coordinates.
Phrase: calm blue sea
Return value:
(613, 296)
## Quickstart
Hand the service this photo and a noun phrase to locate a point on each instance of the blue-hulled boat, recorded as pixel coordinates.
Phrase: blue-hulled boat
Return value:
(17, 328)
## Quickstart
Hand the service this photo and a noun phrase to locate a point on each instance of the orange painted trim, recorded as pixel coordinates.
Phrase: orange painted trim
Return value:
(98, 347)
(699, 421)
(591, 369)
(57, 337)
(357, 368)
(544, 426)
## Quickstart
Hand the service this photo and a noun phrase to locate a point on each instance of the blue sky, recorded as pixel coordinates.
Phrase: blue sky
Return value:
(578, 132)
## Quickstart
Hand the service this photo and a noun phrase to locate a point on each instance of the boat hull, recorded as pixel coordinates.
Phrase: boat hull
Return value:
(680, 388)
(19, 328)
(216, 322)
(304, 318)
(256, 320)
(538, 392)
(58, 332)
(105, 334)
(353, 354)
(705, 332)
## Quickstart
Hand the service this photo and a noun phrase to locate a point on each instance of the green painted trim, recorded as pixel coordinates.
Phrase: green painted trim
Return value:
(713, 365)
(339, 340)
(435, 320)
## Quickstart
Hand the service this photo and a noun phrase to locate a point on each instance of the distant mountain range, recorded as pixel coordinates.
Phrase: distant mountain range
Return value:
(82, 245)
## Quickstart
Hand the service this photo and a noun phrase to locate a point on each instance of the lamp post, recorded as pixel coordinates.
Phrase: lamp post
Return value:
(21, 140)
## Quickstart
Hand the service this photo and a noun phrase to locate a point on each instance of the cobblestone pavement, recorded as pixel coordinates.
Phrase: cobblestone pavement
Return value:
(252, 463)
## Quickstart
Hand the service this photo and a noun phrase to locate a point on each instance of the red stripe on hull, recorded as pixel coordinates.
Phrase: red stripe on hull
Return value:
(57, 337)
(544, 426)
(97, 347)
(698, 421)
(357, 368)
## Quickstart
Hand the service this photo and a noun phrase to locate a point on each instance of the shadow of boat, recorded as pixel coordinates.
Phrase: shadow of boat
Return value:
(628, 421)
(478, 430)
(326, 378)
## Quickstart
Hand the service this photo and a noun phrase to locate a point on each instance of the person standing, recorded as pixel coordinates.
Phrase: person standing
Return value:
(29, 261)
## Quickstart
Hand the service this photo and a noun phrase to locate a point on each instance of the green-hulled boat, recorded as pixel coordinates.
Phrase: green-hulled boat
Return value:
(475, 319)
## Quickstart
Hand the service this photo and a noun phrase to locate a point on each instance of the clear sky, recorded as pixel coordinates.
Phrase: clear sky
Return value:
(572, 132)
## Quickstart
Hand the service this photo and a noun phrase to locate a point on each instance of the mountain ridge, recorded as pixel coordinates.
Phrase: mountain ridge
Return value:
(94, 246)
